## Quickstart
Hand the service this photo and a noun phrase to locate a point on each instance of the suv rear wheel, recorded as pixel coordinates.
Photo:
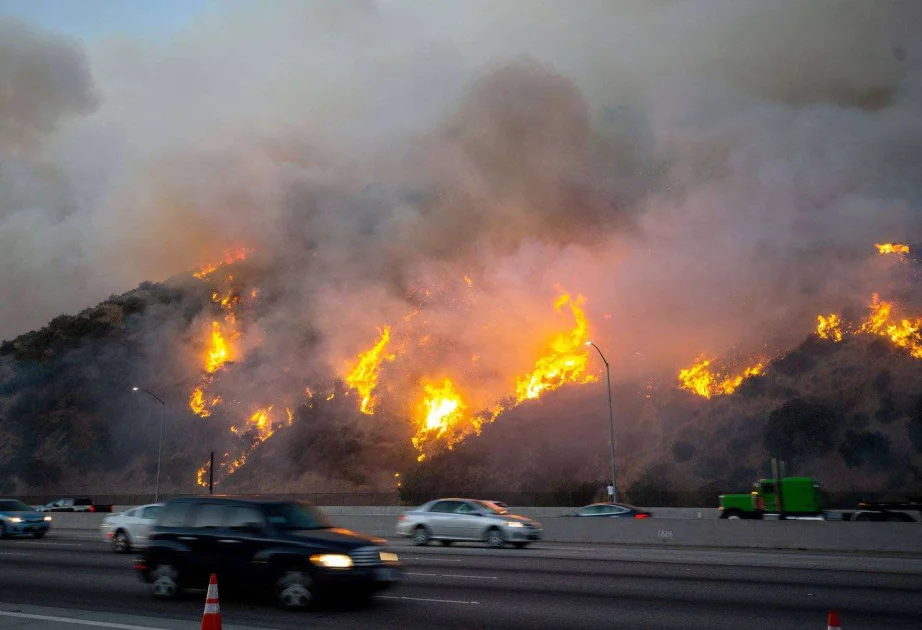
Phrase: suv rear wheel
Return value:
(293, 590)
(165, 582)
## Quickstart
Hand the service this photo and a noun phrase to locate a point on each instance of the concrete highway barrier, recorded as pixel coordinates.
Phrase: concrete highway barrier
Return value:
(678, 532)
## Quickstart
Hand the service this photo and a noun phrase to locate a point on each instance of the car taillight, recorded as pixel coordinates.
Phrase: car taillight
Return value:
(402, 517)
(140, 564)
(92, 508)
(641, 516)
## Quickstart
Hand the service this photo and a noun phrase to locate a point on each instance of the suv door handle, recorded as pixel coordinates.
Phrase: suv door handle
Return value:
(228, 540)
(188, 537)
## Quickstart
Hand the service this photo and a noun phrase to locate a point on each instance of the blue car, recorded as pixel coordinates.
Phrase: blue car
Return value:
(18, 519)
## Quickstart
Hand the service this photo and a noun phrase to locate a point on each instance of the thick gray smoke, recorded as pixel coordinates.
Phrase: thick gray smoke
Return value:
(710, 175)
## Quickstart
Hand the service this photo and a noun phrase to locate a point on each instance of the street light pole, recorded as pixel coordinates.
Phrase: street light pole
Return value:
(611, 422)
(160, 448)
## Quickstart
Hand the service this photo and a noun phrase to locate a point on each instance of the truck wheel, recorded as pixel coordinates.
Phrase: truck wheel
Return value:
(732, 515)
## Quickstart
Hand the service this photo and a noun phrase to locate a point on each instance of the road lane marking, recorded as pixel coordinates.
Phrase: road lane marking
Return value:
(426, 599)
(454, 575)
(13, 553)
(432, 559)
(80, 622)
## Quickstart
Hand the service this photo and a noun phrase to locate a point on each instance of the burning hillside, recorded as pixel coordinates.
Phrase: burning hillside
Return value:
(411, 248)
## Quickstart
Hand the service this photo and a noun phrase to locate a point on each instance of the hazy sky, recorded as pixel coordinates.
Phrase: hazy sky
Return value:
(88, 19)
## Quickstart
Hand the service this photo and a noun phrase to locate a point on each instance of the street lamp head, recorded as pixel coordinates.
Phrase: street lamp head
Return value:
(588, 343)
(134, 389)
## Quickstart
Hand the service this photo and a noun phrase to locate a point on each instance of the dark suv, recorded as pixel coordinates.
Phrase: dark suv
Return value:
(288, 546)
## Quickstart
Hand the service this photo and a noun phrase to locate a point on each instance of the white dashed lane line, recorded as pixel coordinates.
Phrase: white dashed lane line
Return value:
(450, 575)
(427, 599)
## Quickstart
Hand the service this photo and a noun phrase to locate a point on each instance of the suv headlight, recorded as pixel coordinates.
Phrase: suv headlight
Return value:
(47, 518)
(332, 560)
(388, 556)
(516, 524)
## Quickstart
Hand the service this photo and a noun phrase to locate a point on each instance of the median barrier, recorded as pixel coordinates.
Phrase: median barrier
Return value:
(678, 532)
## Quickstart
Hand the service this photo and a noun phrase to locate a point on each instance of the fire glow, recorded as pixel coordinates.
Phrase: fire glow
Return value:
(892, 248)
(565, 361)
(702, 380)
(364, 377)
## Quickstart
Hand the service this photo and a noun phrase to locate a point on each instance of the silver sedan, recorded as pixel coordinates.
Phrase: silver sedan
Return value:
(451, 520)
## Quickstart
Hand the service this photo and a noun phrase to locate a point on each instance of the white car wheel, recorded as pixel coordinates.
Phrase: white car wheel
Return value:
(121, 543)
(421, 536)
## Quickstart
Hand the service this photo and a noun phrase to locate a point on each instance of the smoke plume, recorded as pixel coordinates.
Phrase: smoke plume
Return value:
(709, 175)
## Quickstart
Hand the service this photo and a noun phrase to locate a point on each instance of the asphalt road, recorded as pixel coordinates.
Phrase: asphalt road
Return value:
(545, 586)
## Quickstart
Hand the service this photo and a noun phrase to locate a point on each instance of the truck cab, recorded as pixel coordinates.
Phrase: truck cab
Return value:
(799, 497)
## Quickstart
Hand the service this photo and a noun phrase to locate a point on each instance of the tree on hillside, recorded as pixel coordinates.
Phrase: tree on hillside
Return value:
(869, 447)
(801, 430)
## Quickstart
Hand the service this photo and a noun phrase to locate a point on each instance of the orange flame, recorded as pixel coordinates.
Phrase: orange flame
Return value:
(567, 360)
(904, 333)
(364, 376)
(200, 476)
(218, 354)
(829, 327)
(199, 405)
(230, 257)
(440, 412)
(699, 378)
(892, 248)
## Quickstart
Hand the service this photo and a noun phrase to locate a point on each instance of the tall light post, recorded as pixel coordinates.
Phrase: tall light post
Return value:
(160, 449)
(611, 422)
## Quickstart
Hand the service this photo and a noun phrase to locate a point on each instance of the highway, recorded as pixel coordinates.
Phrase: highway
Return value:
(545, 586)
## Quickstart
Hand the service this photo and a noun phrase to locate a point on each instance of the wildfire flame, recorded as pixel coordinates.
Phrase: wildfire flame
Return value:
(218, 353)
(440, 412)
(903, 333)
(364, 377)
(701, 380)
(567, 360)
(829, 327)
(230, 257)
(200, 405)
(892, 248)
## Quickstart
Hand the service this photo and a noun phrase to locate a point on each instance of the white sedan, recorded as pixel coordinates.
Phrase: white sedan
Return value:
(130, 530)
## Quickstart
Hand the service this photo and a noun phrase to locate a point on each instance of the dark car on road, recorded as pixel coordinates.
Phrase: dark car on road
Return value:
(18, 519)
(612, 510)
(287, 547)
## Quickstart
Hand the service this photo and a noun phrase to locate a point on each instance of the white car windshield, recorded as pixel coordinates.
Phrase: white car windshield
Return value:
(491, 507)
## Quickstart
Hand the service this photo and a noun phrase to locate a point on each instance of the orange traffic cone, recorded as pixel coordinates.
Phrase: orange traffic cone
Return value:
(832, 621)
(211, 620)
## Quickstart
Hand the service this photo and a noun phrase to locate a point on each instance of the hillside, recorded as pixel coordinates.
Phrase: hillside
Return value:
(849, 413)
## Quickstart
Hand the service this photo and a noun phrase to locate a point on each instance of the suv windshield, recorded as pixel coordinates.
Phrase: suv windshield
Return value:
(296, 516)
(491, 507)
(14, 506)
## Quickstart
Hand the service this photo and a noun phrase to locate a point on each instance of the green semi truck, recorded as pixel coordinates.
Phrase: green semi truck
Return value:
(802, 498)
